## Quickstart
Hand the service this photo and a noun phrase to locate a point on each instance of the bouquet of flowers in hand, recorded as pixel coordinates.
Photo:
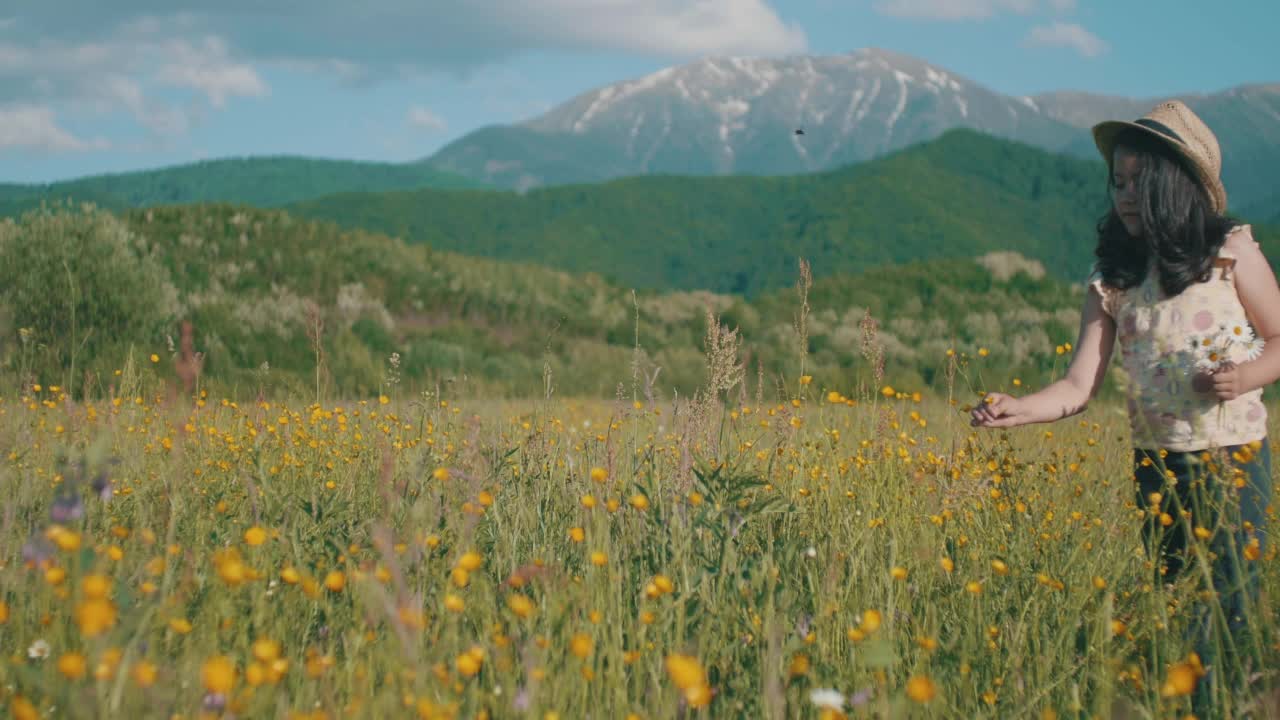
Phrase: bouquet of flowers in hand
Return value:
(1225, 347)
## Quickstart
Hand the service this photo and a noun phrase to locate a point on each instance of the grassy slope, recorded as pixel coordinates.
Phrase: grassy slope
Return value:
(245, 277)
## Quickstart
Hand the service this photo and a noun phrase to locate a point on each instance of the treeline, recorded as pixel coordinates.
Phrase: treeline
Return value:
(257, 181)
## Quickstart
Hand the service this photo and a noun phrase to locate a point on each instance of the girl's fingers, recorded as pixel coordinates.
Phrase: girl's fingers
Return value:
(1225, 385)
(995, 422)
(1225, 388)
(986, 417)
(993, 411)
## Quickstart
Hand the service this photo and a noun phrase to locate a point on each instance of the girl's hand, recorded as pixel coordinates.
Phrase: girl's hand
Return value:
(999, 410)
(1226, 382)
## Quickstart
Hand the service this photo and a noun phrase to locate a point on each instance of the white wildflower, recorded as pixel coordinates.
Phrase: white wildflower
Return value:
(1253, 348)
(39, 650)
(827, 698)
(1242, 333)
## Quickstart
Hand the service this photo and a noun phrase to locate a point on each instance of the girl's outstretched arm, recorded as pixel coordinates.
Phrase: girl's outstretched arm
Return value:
(1260, 296)
(1072, 393)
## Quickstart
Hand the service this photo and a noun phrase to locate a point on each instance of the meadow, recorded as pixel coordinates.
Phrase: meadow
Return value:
(373, 479)
(807, 552)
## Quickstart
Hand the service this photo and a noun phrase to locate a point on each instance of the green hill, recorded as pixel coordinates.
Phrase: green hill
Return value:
(258, 181)
(254, 281)
(961, 196)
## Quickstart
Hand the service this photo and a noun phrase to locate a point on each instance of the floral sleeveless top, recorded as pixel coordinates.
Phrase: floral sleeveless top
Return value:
(1165, 341)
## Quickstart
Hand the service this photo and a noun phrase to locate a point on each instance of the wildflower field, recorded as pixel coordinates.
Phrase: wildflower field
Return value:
(174, 554)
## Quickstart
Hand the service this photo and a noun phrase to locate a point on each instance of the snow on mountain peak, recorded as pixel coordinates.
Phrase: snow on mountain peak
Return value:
(733, 114)
(731, 93)
(611, 94)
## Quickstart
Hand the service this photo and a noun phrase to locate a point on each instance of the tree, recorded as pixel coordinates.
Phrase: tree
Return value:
(84, 285)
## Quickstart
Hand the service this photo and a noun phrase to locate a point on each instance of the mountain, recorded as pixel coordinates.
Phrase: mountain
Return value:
(959, 196)
(258, 181)
(1245, 119)
(736, 115)
(1083, 110)
(718, 116)
(721, 116)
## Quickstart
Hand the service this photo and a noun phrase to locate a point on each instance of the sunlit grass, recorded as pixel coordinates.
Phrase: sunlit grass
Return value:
(446, 558)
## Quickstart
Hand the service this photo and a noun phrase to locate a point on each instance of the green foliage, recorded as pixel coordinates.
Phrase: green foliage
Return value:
(254, 283)
(83, 286)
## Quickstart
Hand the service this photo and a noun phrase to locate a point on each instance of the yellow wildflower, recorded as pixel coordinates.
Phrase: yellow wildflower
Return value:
(921, 689)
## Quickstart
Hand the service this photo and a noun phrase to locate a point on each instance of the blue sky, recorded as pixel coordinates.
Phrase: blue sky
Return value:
(88, 87)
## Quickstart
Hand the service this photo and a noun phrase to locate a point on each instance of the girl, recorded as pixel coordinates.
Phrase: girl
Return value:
(1196, 309)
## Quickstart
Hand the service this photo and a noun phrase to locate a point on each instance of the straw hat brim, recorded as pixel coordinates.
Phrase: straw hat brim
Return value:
(1106, 133)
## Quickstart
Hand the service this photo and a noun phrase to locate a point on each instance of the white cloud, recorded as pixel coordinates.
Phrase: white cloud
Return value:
(678, 28)
(30, 127)
(953, 9)
(119, 92)
(384, 36)
(206, 68)
(1063, 6)
(423, 119)
(166, 64)
(143, 68)
(1066, 35)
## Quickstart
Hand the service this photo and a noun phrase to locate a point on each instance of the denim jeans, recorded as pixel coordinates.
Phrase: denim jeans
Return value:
(1227, 496)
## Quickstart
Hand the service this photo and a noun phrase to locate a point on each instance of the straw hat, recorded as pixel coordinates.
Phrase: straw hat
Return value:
(1175, 124)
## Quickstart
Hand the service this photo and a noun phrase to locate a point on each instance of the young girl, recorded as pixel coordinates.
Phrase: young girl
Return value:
(1196, 309)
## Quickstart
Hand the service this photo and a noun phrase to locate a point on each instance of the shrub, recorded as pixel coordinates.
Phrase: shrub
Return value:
(84, 285)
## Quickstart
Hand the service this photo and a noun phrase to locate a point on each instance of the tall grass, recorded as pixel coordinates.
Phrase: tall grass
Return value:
(565, 558)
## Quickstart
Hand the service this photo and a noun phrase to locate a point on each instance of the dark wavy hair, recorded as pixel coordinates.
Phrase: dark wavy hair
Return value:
(1180, 229)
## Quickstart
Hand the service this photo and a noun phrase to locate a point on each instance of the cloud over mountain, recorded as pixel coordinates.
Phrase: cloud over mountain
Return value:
(166, 65)
(392, 35)
(1066, 35)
